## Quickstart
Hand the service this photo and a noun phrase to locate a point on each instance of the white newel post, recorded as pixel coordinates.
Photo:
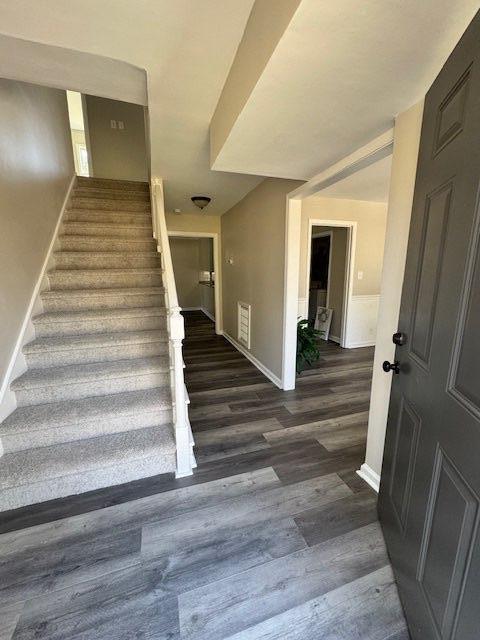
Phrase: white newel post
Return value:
(176, 335)
(182, 435)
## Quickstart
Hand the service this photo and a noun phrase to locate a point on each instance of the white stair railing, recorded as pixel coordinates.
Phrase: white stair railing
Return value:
(176, 334)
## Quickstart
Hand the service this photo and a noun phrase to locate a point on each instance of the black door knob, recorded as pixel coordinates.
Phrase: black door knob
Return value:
(391, 366)
(399, 338)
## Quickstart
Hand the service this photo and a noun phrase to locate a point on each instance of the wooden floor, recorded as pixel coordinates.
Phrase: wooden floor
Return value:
(274, 537)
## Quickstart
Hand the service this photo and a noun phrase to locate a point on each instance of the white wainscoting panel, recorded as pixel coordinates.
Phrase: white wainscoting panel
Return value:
(362, 321)
(302, 308)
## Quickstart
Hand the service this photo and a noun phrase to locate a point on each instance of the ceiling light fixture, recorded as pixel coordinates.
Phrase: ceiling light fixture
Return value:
(201, 201)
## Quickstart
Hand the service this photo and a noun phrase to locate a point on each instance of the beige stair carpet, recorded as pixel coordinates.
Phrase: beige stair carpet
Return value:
(94, 407)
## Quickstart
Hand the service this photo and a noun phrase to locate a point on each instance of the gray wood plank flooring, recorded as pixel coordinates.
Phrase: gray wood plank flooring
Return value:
(274, 536)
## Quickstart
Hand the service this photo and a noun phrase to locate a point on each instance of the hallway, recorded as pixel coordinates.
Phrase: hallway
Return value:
(274, 537)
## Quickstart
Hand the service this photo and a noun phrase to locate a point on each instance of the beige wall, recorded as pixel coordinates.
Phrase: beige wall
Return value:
(192, 222)
(116, 153)
(36, 166)
(371, 219)
(186, 260)
(337, 275)
(253, 236)
(404, 165)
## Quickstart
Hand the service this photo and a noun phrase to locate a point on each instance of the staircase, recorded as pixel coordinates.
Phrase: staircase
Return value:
(94, 408)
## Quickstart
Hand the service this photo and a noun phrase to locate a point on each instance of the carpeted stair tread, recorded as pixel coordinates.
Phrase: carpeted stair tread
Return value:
(79, 293)
(67, 343)
(59, 414)
(109, 204)
(73, 260)
(100, 272)
(118, 194)
(102, 216)
(67, 323)
(104, 228)
(82, 243)
(42, 464)
(97, 314)
(111, 183)
(77, 373)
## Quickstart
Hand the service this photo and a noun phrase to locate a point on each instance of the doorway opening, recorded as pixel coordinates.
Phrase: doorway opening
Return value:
(195, 258)
(76, 116)
(329, 283)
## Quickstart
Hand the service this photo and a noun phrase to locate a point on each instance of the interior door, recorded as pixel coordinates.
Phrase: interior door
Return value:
(430, 488)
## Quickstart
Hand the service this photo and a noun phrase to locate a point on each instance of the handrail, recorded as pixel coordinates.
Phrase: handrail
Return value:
(176, 334)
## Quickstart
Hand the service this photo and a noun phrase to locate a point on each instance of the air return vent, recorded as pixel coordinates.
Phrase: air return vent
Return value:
(244, 313)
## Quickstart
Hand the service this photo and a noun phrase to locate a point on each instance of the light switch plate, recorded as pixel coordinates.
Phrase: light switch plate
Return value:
(121, 125)
(113, 124)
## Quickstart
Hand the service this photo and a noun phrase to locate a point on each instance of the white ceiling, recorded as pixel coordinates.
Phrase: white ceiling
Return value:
(186, 47)
(339, 75)
(371, 183)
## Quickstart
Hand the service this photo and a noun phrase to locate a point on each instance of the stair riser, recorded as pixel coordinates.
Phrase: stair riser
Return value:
(71, 303)
(109, 204)
(92, 243)
(44, 330)
(120, 217)
(117, 194)
(86, 481)
(106, 261)
(114, 185)
(78, 390)
(83, 430)
(70, 279)
(97, 231)
(95, 354)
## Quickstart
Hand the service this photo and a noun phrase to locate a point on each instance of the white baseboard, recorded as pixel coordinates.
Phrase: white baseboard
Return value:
(208, 314)
(334, 339)
(370, 476)
(356, 345)
(17, 364)
(260, 366)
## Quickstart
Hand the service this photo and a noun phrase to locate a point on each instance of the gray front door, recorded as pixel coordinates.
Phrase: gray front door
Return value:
(430, 488)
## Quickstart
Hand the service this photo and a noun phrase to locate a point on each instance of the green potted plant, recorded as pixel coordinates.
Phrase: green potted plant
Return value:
(307, 344)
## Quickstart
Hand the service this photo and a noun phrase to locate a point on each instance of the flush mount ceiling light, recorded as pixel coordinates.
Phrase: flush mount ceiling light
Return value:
(201, 201)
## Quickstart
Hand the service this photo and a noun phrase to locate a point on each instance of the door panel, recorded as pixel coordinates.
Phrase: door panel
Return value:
(437, 208)
(465, 378)
(404, 461)
(430, 486)
(446, 543)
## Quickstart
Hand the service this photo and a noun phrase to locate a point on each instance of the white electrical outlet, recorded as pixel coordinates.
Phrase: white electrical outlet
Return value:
(121, 126)
(360, 275)
(113, 124)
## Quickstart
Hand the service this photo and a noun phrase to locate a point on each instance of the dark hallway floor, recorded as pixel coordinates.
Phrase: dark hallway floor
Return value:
(274, 537)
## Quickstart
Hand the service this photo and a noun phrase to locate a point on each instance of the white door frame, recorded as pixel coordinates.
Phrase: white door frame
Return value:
(351, 227)
(312, 236)
(216, 267)
(375, 150)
